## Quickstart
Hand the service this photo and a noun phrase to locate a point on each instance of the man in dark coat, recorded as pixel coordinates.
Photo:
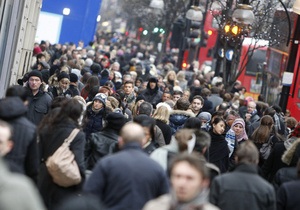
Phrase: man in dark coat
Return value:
(152, 93)
(129, 178)
(39, 101)
(104, 142)
(243, 188)
(24, 153)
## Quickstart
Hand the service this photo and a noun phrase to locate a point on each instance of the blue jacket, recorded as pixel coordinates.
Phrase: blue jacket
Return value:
(127, 179)
(178, 118)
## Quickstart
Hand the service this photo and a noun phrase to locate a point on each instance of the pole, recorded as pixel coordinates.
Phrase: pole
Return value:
(291, 65)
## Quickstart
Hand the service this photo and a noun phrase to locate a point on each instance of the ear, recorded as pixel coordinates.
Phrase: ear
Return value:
(120, 142)
(205, 183)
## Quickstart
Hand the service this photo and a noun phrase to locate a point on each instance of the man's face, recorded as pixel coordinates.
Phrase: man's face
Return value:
(34, 83)
(166, 97)
(197, 105)
(251, 107)
(186, 181)
(128, 88)
(5, 142)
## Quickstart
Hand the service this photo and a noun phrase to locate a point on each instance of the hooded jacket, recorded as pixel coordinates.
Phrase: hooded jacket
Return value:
(178, 118)
(24, 153)
(152, 96)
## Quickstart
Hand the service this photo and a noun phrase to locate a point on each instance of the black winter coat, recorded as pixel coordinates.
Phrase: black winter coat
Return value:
(94, 121)
(99, 145)
(50, 141)
(38, 106)
(24, 153)
(218, 151)
(242, 189)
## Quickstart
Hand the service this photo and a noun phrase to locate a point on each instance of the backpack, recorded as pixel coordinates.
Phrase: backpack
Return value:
(62, 165)
(266, 148)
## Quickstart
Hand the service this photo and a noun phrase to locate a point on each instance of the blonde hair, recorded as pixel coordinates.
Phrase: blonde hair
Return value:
(162, 113)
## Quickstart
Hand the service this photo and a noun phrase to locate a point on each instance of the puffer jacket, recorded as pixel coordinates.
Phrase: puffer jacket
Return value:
(94, 121)
(178, 118)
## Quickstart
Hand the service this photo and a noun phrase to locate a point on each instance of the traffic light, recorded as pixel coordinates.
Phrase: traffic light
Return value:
(204, 38)
(177, 33)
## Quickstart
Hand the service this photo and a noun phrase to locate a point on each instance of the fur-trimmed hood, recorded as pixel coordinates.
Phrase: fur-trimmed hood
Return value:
(182, 112)
(290, 153)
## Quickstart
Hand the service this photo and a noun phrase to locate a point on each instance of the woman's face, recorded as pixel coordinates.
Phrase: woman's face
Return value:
(238, 129)
(219, 128)
(97, 105)
(171, 76)
(64, 84)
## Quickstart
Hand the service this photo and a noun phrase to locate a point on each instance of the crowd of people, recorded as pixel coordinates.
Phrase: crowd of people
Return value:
(152, 136)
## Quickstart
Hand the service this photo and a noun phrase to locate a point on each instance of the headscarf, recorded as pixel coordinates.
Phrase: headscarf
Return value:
(243, 135)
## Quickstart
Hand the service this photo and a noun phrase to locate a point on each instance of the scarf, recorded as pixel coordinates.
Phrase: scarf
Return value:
(243, 135)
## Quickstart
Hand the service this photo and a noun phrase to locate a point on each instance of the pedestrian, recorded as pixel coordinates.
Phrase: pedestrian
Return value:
(189, 179)
(38, 100)
(51, 136)
(243, 188)
(129, 178)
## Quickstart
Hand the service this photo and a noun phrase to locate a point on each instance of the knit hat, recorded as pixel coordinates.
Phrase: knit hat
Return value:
(205, 116)
(115, 120)
(152, 79)
(101, 97)
(244, 134)
(63, 75)
(140, 97)
(73, 77)
(35, 73)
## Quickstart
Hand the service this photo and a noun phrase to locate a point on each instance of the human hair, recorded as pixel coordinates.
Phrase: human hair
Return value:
(262, 133)
(205, 92)
(215, 90)
(270, 111)
(70, 109)
(162, 113)
(147, 122)
(182, 137)
(17, 90)
(58, 101)
(181, 76)
(194, 160)
(199, 98)
(247, 153)
(192, 123)
(91, 82)
(177, 92)
(129, 82)
(146, 108)
(218, 119)
(227, 97)
(203, 140)
(182, 104)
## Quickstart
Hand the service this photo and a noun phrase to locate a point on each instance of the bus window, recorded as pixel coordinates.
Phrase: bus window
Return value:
(259, 56)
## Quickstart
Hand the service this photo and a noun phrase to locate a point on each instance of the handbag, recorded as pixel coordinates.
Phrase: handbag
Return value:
(62, 165)
(266, 148)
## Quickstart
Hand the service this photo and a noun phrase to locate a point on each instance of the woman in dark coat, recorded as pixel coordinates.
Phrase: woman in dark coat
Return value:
(52, 133)
(218, 150)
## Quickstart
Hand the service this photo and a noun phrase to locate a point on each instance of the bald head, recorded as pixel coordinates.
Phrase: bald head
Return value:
(132, 132)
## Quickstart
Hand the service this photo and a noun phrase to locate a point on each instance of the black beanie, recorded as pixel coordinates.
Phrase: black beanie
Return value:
(63, 75)
(35, 73)
(73, 77)
(115, 120)
(140, 97)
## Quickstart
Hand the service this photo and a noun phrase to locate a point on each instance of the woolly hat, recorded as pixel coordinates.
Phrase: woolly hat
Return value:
(36, 50)
(140, 97)
(35, 73)
(63, 75)
(205, 116)
(152, 79)
(115, 120)
(101, 97)
(73, 77)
